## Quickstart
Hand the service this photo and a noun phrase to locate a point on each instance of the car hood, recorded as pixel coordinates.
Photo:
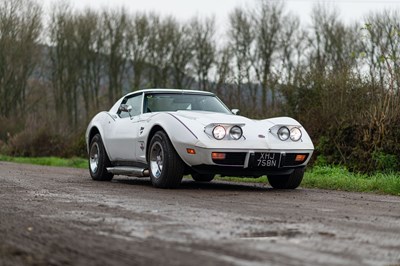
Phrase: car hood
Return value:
(206, 118)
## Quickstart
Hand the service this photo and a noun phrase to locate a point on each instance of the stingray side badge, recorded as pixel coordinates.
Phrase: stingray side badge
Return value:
(141, 143)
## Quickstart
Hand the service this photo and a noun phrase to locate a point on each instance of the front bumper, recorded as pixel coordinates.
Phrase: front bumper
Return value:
(246, 162)
(241, 172)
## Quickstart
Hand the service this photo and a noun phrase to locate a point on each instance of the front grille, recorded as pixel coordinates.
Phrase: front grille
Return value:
(232, 158)
(289, 159)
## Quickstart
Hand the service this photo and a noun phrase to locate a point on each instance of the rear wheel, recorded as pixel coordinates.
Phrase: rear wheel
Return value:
(291, 181)
(98, 160)
(166, 167)
(202, 177)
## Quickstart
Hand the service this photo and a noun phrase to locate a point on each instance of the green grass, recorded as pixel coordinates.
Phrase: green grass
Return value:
(325, 177)
(50, 161)
(333, 177)
(339, 178)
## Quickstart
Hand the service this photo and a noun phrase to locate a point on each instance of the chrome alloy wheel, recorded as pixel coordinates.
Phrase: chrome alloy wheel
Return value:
(94, 157)
(156, 159)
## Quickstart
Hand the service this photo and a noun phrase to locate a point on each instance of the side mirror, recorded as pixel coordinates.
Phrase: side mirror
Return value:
(235, 111)
(125, 108)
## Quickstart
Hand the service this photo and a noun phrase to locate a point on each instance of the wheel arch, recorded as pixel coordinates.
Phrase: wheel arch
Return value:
(93, 131)
(152, 132)
(96, 126)
(177, 132)
(89, 136)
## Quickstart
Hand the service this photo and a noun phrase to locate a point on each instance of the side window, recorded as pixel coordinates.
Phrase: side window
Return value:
(136, 103)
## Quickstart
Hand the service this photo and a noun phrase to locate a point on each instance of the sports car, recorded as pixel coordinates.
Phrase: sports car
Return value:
(165, 134)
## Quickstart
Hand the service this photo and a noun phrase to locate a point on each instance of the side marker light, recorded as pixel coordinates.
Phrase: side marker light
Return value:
(191, 151)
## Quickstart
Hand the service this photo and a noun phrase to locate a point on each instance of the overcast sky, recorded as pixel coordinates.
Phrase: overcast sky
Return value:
(350, 10)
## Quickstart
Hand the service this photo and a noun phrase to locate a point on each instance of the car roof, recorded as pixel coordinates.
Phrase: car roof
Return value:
(161, 90)
(114, 108)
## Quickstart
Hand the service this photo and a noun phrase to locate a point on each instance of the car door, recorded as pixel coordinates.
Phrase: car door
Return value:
(122, 139)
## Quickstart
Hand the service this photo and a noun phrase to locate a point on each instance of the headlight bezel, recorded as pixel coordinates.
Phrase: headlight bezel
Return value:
(291, 133)
(232, 131)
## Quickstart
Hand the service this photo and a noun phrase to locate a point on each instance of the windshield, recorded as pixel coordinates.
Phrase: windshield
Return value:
(160, 102)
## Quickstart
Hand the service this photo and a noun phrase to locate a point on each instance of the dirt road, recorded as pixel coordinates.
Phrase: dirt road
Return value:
(59, 216)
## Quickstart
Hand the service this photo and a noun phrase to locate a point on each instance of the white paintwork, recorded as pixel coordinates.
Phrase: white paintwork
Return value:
(126, 139)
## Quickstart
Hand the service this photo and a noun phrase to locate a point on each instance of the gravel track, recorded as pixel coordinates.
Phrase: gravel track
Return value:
(59, 216)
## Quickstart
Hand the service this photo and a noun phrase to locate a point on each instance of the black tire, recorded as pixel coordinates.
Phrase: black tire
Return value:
(98, 160)
(203, 177)
(165, 165)
(291, 181)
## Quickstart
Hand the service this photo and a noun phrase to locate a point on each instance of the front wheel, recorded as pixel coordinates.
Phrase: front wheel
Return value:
(98, 160)
(166, 167)
(291, 181)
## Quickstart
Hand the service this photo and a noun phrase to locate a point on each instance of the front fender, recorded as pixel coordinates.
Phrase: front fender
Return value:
(179, 133)
(100, 122)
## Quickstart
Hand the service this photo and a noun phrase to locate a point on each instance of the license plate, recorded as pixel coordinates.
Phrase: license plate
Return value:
(267, 160)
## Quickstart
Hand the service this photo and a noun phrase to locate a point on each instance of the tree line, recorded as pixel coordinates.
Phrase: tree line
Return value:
(341, 81)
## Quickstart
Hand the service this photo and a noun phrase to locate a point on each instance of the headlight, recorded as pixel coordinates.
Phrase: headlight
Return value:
(283, 133)
(235, 132)
(295, 134)
(219, 132)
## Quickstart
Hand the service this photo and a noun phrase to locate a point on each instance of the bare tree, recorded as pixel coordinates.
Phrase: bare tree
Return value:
(89, 43)
(204, 48)
(380, 41)
(138, 41)
(332, 41)
(63, 56)
(268, 19)
(115, 25)
(20, 28)
(160, 49)
(381, 48)
(224, 75)
(182, 54)
(292, 48)
(241, 40)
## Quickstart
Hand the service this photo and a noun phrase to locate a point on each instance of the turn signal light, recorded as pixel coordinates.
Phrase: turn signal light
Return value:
(218, 156)
(191, 151)
(300, 158)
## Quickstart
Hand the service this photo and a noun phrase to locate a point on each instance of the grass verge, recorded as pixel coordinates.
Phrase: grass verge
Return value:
(325, 177)
(50, 161)
(339, 178)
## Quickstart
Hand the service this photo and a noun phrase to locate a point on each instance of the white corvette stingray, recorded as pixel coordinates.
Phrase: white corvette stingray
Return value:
(165, 134)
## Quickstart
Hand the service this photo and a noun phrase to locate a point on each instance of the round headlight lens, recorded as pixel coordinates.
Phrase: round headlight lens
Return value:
(283, 133)
(219, 132)
(235, 132)
(295, 134)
